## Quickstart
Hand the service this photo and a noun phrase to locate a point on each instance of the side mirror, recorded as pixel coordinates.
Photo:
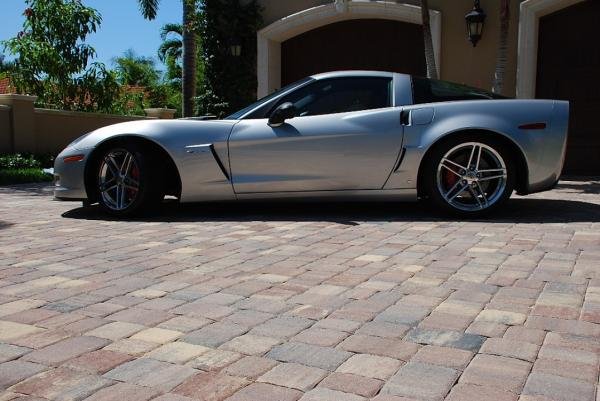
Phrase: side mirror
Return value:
(285, 111)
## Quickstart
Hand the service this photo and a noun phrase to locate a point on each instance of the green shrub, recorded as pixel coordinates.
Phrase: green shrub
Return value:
(23, 176)
(25, 160)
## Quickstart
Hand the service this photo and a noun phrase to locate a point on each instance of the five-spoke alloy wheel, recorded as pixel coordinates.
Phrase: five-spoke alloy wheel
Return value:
(469, 176)
(128, 179)
(118, 179)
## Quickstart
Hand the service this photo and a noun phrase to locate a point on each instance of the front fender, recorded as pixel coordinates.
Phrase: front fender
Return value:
(204, 173)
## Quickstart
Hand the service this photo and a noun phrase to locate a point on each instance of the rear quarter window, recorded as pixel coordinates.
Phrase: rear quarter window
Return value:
(427, 90)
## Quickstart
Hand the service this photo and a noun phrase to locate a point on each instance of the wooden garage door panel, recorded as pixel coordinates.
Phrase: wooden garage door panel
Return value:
(362, 44)
(568, 69)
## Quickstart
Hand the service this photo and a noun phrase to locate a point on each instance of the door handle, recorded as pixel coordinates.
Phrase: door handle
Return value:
(405, 117)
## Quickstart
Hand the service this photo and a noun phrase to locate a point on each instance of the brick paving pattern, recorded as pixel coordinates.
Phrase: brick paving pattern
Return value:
(314, 302)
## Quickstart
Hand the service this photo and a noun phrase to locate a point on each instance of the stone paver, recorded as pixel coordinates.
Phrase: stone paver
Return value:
(340, 302)
(15, 371)
(373, 366)
(421, 381)
(294, 375)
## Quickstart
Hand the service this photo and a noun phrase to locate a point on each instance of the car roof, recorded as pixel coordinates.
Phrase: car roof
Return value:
(353, 73)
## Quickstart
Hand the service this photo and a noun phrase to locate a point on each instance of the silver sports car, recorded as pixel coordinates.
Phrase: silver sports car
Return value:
(353, 134)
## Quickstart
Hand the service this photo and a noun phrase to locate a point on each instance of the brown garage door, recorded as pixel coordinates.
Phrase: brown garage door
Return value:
(569, 69)
(362, 44)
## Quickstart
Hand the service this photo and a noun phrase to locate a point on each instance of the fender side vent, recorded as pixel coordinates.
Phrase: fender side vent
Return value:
(219, 163)
(399, 162)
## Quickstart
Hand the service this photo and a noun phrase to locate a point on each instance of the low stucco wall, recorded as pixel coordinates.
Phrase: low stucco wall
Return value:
(5, 129)
(24, 128)
(54, 129)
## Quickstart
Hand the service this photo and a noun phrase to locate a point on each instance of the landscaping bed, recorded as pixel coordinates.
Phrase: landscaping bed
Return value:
(24, 168)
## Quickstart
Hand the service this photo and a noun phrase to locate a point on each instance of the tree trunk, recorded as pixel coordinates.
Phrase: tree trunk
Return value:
(502, 47)
(188, 78)
(429, 52)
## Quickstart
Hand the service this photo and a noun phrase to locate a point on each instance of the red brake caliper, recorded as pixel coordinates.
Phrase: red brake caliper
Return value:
(449, 179)
(135, 174)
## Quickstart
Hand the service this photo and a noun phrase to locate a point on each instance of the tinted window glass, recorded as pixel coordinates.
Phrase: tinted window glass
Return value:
(265, 100)
(427, 90)
(340, 95)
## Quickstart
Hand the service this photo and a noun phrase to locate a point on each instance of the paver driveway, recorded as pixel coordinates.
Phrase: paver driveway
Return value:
(340, 302)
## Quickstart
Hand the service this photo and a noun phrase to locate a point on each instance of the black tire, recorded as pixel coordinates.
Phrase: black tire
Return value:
(150, 179)
(434, 182)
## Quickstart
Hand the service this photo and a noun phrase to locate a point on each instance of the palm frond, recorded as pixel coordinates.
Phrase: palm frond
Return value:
(169, 29)
(170, 47)
(148, 8)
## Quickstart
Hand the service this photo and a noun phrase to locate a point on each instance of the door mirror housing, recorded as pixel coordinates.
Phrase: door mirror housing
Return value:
(283, 112)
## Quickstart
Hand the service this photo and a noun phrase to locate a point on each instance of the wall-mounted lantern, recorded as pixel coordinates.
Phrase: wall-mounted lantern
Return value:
(236, 49)
(475, 20)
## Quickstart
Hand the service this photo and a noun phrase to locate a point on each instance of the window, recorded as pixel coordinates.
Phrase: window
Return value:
(263, 103)
(427, 90)
(340, 95)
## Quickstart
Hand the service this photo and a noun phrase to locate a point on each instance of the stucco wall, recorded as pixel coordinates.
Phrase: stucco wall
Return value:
(24, 128)
(460, 62)
(54, 129)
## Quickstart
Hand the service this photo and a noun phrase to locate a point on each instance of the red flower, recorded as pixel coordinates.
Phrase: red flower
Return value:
(28, 12)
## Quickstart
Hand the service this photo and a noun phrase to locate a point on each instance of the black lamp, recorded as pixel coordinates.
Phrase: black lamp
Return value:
(236, 48)
(475, 21)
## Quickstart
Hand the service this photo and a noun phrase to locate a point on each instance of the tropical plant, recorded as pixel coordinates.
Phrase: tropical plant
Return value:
(502, 55)
(136, 70)
(6, 66)
(428, 39)
(170, 53)
(230, 80)
(149, 9)
(52, 57)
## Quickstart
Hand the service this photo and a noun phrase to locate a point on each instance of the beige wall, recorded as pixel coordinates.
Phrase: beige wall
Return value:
(24, 128)
(460, 62)
(54, 129)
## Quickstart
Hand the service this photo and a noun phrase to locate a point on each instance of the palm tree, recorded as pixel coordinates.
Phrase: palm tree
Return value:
(429, 53)
(170, 51)
(135, 70)
(172, 45)
(502, 47)
(149, 8)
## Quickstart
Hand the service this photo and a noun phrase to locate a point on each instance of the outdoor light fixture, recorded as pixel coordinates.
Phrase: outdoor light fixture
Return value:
(475, 21)
(236, 49)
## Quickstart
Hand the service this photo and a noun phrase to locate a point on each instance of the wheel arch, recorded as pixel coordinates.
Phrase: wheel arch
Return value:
(172, 176)
(522, 169)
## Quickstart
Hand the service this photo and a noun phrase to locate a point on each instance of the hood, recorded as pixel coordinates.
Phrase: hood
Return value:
(166, 132)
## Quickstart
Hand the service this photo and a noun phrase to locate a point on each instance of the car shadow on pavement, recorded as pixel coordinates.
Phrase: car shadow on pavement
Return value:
(518, 210)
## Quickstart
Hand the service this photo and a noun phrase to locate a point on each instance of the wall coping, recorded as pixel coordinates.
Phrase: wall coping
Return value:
(88, 114)
(14, 96)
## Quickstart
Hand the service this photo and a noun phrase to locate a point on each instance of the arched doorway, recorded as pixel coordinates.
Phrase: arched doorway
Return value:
(567, 69)
(271, 38)
(359, 44)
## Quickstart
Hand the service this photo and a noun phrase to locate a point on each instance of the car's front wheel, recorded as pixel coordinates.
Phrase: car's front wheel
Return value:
(127, 182)
(469, 176)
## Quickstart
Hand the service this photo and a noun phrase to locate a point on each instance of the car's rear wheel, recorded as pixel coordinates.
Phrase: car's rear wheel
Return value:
(469, 176)
(127, 182)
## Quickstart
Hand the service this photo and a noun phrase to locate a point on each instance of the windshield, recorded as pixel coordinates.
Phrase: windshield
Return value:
(239, 114)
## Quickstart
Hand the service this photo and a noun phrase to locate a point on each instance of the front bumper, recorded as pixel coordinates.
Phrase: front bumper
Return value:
(69, 177)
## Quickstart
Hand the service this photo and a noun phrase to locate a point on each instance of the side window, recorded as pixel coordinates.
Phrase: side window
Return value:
(341, 95)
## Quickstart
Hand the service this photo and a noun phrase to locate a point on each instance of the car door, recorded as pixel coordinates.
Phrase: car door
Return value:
(346, 136)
